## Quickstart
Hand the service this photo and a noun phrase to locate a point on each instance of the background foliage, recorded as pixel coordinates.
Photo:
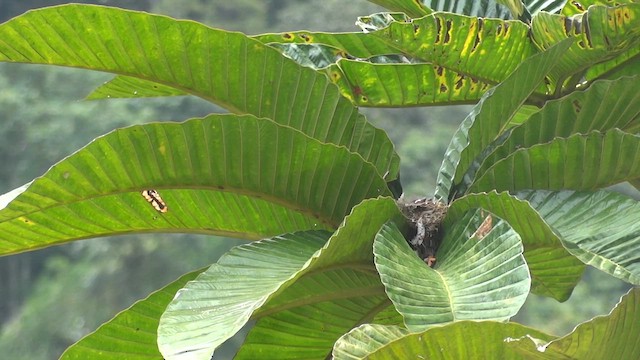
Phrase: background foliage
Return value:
(53, 294)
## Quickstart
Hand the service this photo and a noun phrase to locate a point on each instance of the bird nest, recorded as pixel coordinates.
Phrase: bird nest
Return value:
(425, 219)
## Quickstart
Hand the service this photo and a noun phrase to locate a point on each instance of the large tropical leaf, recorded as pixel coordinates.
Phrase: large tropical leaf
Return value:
(600, 228)
(491, 8)
(554, 271)
(603, 106)
(460, 340)
(225, 174)
(394, 85)
(579, 162)
(411, 8)
(308, 298)
(602, 33)
(490, 117)
(614, 336)
(480, 273)
(132, 334)
(226, 68)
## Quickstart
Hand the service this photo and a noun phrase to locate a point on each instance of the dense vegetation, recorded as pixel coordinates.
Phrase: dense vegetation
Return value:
(553, 124)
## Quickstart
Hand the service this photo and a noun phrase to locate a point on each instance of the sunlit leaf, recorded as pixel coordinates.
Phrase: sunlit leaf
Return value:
(601, 34)
(490, 117)
(225, 174)
(227, 68)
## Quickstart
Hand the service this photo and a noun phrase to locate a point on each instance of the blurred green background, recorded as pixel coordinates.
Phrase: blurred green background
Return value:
(50, 298)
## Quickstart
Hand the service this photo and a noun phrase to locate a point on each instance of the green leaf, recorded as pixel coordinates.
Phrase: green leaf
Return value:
(132, 334)
(614, 336)
(412, 8)
(396, 85)
(607, 236)
(579, 7)
(491, 8)
(601, 34)
(338, 279)
(460, 340)
(603, 106)
(464, 44)
(226, 68)
(220, 301)
(490, 116)
(579, 162)
(476, 277)
(554, 271)
(132, 87)
(225, 174)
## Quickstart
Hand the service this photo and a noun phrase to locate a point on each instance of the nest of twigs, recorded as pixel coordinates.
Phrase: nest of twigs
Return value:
(425, 219)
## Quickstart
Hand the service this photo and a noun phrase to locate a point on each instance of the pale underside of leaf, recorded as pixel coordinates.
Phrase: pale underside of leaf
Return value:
(554, 271)
(476, 277)
(339, 278)
(599, 228)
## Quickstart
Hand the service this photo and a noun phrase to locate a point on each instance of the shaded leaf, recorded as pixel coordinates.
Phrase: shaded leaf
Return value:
(226, 68)
(460, 340)
(132, 334)
(554, 271)
(603, 106)
(476, 277)
(579, 162)
(490, 116)
(607, 236)
(225, 174)
(614, 336)
(338, 279)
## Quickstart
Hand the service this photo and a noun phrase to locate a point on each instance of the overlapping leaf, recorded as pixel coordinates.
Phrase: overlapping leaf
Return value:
(411, 8)
(335, 289)
(132, 334)
(614, 336)
(461, 340)
(491, 8)
(579, 162)
(480, 274)
(603, 106)
(490, 117)
(225, 174)
(600, 228)
(554, 271)
(226, 68)
(602, 33)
